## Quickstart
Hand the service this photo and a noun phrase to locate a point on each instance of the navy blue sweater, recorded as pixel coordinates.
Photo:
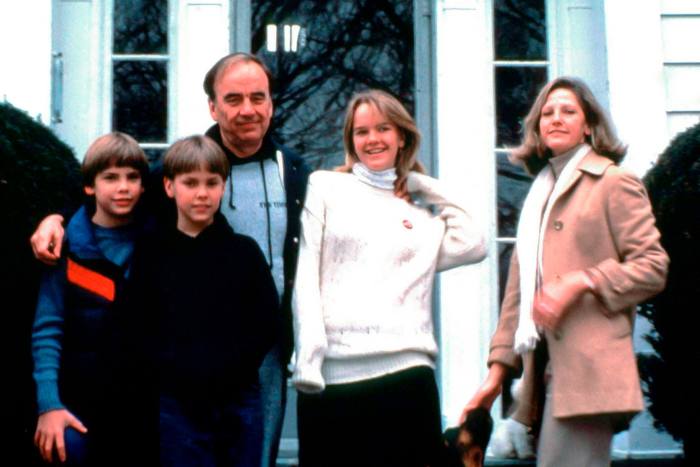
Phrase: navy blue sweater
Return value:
(210, 311)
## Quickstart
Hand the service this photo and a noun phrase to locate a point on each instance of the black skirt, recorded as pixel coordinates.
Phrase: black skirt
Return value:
(393, 420)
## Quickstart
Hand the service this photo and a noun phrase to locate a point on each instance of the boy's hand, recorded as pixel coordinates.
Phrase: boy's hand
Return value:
(49, 432)
(47, 239)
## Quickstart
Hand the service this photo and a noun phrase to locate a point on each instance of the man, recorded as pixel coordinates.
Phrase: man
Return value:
(263, 199)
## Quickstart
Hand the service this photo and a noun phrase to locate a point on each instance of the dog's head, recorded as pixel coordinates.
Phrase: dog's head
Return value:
(465, 446)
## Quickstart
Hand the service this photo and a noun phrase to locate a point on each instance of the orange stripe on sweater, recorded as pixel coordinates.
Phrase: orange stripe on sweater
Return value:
(90, 280)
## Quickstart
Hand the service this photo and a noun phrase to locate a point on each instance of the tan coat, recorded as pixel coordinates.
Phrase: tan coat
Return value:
(603, 223)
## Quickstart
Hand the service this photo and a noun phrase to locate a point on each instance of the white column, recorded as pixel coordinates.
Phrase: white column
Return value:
(635, 71)
(204, 37)
(576, 30)
(25, 54)
(465, 159)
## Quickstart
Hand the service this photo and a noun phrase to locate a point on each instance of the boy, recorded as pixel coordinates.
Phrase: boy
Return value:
(214, 302)
(76, 302)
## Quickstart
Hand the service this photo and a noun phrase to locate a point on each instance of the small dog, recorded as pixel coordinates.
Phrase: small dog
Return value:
(512, 439)
(465, 445)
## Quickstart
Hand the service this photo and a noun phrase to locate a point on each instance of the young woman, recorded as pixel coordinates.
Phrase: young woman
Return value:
(587, 252)
(370, 247)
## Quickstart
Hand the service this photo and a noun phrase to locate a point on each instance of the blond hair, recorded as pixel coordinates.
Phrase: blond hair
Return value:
(534, 154)
(396, 113)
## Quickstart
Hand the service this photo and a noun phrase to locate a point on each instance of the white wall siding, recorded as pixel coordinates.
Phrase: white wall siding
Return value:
(680, 32)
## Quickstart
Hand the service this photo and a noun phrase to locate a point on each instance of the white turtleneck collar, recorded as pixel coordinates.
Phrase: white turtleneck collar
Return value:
(383, 179)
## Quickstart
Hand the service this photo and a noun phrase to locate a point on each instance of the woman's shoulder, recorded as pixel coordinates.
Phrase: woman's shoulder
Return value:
(600, 165)
(329, 179)
(617, 182)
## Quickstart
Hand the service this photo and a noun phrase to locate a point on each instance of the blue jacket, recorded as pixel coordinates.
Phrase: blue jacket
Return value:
(71, 333)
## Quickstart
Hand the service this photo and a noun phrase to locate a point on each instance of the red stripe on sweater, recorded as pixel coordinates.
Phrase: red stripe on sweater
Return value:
(91, 280)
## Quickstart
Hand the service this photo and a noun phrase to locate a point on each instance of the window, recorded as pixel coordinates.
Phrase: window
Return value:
(520, 70)
(140, 63)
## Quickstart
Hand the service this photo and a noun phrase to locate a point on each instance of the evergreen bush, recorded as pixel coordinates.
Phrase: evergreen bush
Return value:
(674, 188)
(38, 175)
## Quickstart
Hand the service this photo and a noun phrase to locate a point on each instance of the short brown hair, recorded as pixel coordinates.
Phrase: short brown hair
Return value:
(392, 109)
(231, 59)
(114, 149)
(196, 152)
(534, 154)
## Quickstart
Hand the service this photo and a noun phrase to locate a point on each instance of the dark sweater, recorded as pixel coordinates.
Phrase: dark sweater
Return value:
(296, 174)
(211, 302)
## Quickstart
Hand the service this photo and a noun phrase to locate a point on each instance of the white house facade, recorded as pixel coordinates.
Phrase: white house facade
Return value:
(76, 64)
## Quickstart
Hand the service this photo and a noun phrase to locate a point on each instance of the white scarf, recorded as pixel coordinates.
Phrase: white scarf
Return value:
(530, 238)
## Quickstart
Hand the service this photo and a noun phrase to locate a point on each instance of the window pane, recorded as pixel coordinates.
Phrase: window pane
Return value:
(513, 184)
(516, 89)
(519, 30)
(154, 154)
(336, 48)
(140, 26)
(140, 100)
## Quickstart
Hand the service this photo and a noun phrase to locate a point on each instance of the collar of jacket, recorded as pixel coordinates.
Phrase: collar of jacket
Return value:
(80, 232)
(217, 229)
(266, 151)
(594, 163)
(81, 235)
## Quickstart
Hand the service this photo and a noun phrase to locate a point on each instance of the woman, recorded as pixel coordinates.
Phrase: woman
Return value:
(587, 252)
(365, 350)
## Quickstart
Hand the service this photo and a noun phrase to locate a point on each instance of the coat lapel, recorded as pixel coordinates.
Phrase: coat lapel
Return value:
(591, 163)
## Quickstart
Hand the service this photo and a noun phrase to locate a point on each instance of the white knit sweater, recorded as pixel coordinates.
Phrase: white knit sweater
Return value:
(362, 300)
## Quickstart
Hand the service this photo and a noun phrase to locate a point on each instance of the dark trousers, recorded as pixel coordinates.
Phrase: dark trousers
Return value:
(393, 420)
(227, 434)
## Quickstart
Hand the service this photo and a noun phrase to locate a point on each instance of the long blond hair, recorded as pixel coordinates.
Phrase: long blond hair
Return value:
(534, 154)
(392, 109)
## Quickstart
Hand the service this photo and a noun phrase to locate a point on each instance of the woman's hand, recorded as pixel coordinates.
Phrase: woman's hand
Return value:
(554, 300)
(489, 390)
(47, 239)
(49, 433)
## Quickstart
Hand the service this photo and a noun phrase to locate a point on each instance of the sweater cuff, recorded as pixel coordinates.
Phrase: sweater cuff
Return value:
(308, 380)
(47, 396)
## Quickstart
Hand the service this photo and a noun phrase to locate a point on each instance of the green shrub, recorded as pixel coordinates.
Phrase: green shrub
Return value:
(38, 175)
(674, 188)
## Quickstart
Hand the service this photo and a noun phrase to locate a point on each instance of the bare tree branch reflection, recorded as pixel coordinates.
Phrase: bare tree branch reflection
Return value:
(344, 47)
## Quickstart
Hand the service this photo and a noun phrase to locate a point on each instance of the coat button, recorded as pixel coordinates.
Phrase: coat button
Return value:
(558, 225)
(298, 202)
(295, 239)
